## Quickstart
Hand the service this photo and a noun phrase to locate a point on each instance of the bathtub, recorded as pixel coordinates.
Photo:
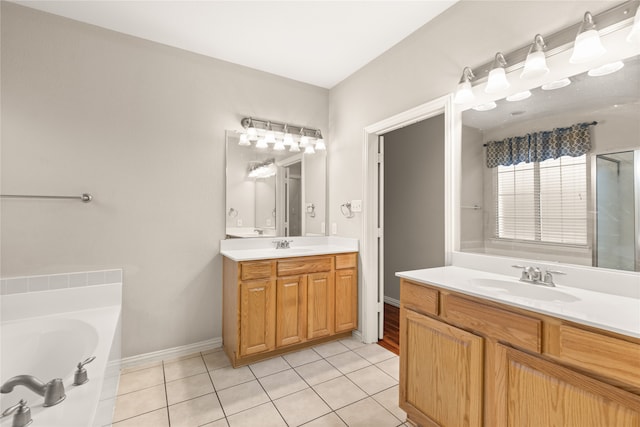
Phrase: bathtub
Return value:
(46, 334)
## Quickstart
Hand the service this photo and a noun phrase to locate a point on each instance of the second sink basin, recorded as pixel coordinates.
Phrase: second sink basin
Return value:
(525, 290)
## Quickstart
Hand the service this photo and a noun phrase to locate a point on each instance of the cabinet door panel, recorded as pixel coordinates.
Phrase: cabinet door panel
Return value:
(441, 371)
(541, 393)
(257, 316)
(320, 307)
(291, 310)
(346, 300)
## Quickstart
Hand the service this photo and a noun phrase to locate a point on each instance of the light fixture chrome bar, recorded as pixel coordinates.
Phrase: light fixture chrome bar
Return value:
(85, 197)
(279, 126)
(608, 21)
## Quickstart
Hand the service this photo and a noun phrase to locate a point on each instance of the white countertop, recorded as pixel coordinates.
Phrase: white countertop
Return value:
(257, 249)
(602, 310)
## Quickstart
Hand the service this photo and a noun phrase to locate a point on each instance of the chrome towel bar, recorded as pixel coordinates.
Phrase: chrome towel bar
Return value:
(85, 197)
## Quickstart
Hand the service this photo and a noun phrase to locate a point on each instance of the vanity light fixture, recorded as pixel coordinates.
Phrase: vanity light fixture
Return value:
(320, 141)
(244, 140)
(464, 93)
(519, 96)
(535, 65)
(485, 107)
(634, 35)
(497, 78)
(587, 46)
(557, 84)
(605, 69)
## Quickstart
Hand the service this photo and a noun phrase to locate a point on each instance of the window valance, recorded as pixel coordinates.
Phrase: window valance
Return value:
(571, 141)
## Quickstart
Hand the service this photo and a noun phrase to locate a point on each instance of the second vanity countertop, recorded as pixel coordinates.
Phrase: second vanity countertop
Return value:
(263, 248)
(598, 309)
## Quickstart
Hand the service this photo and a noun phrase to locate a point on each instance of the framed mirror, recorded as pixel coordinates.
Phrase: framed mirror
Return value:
(272, 193)
(577, 206)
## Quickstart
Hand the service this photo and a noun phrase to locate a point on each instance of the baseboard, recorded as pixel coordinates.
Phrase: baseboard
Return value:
(171, 353)
(392, 301)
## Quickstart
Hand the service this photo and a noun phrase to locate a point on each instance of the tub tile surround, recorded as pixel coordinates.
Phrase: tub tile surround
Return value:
(48, 282)
(302, 388)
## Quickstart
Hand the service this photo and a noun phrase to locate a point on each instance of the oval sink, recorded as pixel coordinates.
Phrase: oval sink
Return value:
(525, 290)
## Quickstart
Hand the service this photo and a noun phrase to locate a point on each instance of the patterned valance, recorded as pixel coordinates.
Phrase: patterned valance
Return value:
(571, 141)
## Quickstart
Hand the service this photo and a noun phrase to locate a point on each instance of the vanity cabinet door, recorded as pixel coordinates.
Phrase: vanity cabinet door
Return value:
(257, 316)
(291, 310)
(441, 372)
(541, 393)
(346, 300)
(320, 305)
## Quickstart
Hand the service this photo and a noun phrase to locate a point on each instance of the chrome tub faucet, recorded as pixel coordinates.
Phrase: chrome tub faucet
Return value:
(53, 391)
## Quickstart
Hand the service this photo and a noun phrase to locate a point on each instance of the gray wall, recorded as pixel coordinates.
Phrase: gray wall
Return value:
(141, 126)
(413, 200)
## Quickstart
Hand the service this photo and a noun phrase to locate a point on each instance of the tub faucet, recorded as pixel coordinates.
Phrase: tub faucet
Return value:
(53, 391)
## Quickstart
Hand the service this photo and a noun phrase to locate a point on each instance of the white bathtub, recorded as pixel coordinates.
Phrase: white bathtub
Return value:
(46, 334)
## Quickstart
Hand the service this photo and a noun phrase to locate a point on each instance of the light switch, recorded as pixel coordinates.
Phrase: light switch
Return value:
(334, 228)
(356, 205)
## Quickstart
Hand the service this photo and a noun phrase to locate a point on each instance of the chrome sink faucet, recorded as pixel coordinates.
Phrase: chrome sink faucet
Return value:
(53, 391)
(282, 244)
(534, 275)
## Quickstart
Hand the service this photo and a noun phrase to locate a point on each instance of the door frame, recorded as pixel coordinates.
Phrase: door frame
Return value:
(372, 286)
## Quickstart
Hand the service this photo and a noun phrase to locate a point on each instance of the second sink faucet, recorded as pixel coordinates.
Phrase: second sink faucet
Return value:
(534, 275)
(53, 391)
(282, 244)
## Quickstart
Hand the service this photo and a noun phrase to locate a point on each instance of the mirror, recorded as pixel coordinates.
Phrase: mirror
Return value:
(581, 210)
(274, 193)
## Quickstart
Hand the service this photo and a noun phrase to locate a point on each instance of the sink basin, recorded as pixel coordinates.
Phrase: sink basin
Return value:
(525, 290)
(277, 253)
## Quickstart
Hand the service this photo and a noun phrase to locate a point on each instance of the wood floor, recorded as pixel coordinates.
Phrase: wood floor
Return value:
(391, 336)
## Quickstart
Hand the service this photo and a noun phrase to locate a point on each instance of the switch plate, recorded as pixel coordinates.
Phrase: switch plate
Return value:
(356, 205)
(334, 228)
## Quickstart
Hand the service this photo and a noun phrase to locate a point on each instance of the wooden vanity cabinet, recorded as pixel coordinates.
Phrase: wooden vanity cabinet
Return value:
(467, 361)
(274, 306)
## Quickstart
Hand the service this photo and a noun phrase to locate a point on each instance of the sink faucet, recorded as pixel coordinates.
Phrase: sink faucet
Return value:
(282, 244)
(534, 275)
(260, 231)
(53, 391)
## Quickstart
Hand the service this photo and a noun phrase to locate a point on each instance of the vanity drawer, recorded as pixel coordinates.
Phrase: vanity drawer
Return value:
(612, 357)
(346, 261)
(515, 329)
(419, 298)
(292, 267)
(255, 270)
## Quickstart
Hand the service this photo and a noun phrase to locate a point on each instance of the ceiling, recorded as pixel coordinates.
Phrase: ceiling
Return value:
(316, 42)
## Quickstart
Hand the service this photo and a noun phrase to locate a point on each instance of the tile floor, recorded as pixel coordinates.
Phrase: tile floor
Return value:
(335, 384)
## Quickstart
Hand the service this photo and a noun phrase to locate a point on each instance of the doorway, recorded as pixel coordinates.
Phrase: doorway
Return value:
(373, 235)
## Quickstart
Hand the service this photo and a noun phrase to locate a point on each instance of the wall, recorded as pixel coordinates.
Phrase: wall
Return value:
(413, 200)
(140, 126)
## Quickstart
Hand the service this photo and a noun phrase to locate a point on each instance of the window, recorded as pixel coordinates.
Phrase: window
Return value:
(543, 202)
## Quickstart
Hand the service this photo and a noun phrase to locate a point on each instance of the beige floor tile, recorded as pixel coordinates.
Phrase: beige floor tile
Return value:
(183, 357)
(367, 412)
(283, 383)
(141, 366)
(216, 360)
(138, 380)
(265, 415)
(329, 420)
(188, 388)
(139, 402)
(330, 349)
(196, 412)
(372, 380)
(157, 418)
(389, 398)
(183, 368)
(220, 423)
(301, 407)
(348, 362)
(301, 357)
(352, 343)
(391, 367)
(228, 377)
(242, 397)
(268, 367)
(317, 372)
(339, 392)
(374, 353)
